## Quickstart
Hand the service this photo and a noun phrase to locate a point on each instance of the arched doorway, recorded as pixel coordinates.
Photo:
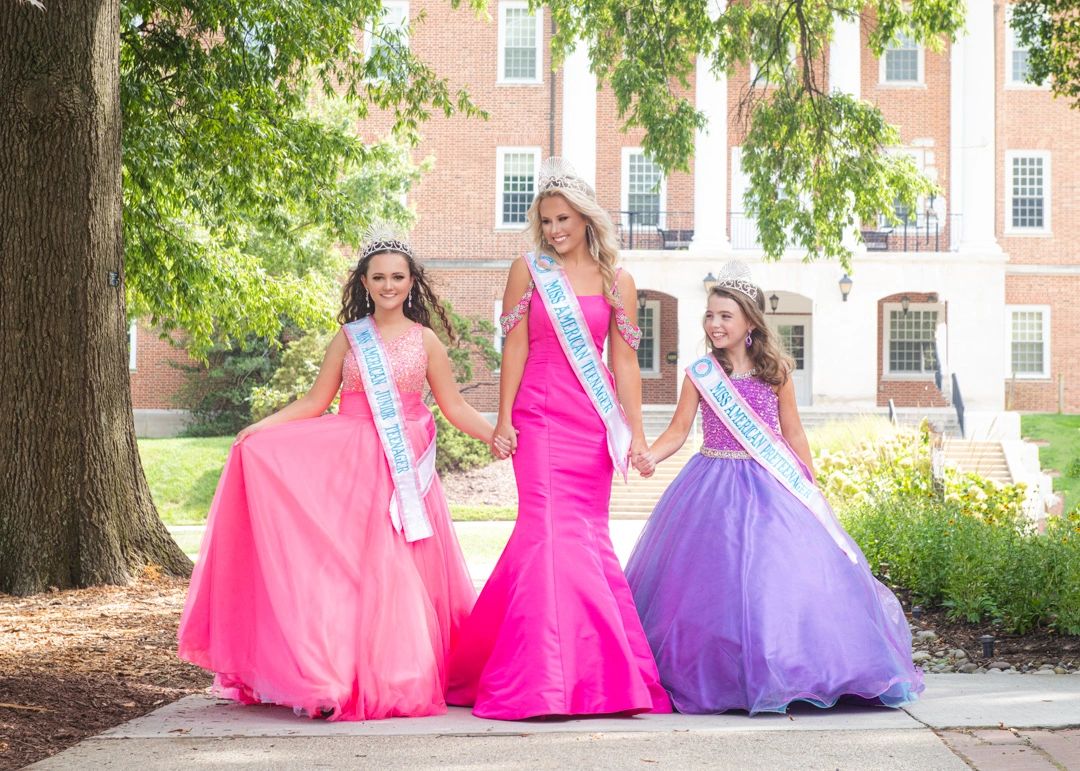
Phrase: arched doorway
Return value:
(790, 317)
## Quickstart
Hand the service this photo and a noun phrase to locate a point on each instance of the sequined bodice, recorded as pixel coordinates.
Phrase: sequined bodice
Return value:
(408, 360)
(758, 395)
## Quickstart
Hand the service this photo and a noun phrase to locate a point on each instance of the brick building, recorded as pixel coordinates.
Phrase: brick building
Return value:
(969, 301)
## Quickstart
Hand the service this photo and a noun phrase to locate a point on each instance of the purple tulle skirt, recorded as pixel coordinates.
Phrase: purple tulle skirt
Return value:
(748, 603)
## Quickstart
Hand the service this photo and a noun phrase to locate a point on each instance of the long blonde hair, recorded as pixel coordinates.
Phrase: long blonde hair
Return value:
(771, 362)
(600, 237)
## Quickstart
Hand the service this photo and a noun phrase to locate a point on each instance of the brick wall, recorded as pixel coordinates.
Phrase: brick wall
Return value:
(914, 391)
(663, 389)
(1060, 293)
(155, 380)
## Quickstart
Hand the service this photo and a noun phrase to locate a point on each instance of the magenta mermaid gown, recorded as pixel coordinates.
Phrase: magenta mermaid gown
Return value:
(554, 631)
(748, 602)
(304, 595)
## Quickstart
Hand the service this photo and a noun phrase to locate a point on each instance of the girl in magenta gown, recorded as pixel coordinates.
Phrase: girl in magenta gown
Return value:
(555, 631)
(305, 593)
(749, 601)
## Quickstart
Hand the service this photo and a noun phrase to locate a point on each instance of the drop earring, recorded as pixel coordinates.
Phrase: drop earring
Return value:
(370, 303)
(749, 340)
(409, 301)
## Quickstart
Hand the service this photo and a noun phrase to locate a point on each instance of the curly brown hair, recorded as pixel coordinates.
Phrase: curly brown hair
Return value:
(771, 362)
(424, 301)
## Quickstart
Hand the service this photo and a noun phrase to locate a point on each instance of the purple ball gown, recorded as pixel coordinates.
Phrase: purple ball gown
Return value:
(748, 603)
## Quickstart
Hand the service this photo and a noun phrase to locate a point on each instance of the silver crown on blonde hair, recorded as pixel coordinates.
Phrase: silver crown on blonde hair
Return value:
(384, 237)
(558, 174)
(736, 275)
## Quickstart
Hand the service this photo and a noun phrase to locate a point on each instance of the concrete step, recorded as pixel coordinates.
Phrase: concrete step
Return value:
(987, 459)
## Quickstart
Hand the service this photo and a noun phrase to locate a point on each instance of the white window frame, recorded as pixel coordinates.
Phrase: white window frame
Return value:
(920, 78)
(1010, 229)
(500, 160)
(133, 330)
(502, 79)
(389, 6)
(1010, 47)
(653, 372)
(886, 340)
(1045, 311)
(624, 199)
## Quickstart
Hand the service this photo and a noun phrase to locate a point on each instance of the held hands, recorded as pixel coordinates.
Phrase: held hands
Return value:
(504, 440)
(641, 458)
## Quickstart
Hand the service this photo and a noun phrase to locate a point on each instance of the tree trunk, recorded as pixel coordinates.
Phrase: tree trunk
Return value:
(75, 508)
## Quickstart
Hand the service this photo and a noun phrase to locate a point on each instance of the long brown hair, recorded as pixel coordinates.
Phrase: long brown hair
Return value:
(771, 362)
(418, 307)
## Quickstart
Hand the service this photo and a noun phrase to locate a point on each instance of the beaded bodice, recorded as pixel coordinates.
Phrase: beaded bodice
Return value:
(759, 395)
(408, 360)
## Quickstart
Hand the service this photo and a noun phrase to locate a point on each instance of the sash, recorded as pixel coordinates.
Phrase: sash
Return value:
(763, 445)
(412, 477)
(573, 333)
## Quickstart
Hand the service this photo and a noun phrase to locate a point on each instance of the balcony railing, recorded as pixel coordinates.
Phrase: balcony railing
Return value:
(654, 229)
(924, 234)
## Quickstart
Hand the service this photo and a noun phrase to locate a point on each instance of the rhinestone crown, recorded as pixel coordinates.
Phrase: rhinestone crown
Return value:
(558, 173)
(736, 275)
(384, 237)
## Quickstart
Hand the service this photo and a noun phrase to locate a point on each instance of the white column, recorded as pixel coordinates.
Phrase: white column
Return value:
(845, 57)
(711, 158)
(579, 114)
(972, 106)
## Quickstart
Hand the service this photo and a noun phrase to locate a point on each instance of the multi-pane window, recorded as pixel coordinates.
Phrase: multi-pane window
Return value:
(912, 347)
(390, 31)
(517, 184)
(1017, 58)
(519, 41)
(1028, 342)
(902, 61)
(793, 337)
(642, 180)
(647, 350)
(1028, 191)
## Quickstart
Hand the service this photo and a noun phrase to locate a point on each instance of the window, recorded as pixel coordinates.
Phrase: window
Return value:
(643, 189)
(903, 62)
(912, 341)
(1017, 59)
(392, 30)
(132, 332)
(1028, 192)
(516, 179)
(648, 352)
(520, 42)
(793, 337)
(1029, 341)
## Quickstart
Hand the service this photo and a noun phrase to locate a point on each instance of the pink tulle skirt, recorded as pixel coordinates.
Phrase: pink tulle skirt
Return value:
(304, 595)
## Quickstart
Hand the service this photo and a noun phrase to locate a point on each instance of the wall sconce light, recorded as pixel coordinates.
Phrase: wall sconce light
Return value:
(905, 303)
(709, 281)
(845, 286)
(641, 298)
(773, 302)
(671, 357)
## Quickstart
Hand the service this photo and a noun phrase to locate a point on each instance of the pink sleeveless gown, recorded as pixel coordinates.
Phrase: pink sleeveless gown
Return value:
(555, 631)
(304, 594)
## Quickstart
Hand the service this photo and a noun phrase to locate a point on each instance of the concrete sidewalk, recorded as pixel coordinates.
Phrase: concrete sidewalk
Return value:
(962, 721)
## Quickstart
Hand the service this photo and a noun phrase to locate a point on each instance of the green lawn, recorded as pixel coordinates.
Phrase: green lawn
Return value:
(183, 474)
(1062, 454)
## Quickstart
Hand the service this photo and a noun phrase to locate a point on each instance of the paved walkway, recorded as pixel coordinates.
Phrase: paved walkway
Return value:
(1013, 722)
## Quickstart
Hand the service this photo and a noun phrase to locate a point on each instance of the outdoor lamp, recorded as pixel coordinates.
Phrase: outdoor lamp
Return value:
(987, 642)
(773, 302)
(641, 300)
(709, 281)
(916, 612)
(905, 302)
(845, 286)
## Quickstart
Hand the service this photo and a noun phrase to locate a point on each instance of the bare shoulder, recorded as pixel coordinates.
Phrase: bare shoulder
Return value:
(431, 340)
(625, 282)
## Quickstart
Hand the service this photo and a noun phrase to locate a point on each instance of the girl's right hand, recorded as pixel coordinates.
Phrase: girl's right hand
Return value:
(246, 432)
(504, 440)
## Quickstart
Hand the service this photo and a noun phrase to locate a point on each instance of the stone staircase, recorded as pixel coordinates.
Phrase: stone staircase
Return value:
(815, 417)
(987, 459)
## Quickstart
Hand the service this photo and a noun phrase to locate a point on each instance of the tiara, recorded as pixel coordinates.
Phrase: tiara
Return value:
(384, 237)
(557, 173)
(736, 275)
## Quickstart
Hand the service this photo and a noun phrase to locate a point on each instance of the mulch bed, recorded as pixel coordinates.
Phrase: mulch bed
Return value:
(75, 663)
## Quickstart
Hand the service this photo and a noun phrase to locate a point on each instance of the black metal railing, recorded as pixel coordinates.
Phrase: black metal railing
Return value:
(654, 229)
(958, 403)
(923, 234)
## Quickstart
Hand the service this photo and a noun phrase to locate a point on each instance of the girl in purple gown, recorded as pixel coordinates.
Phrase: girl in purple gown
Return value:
(746, 599)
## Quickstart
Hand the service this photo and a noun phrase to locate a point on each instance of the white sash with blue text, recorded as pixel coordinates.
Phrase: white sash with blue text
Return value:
(763, 445)
(577, 343)
(407, 508)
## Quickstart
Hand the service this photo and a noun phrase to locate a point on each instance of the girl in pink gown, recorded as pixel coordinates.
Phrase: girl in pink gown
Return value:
(305, 593)
(555, 631)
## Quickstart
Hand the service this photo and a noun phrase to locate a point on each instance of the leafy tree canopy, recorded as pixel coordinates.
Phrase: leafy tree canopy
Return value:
(1050, 30)
(818, 161)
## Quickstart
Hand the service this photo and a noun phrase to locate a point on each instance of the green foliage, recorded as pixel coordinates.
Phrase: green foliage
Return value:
(1050, 30)
(1061, 433)
(474, 338)
(183, 474)
(218, 395)
(241, 161)
(456, 450)
(294, 376)
(817, 160)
